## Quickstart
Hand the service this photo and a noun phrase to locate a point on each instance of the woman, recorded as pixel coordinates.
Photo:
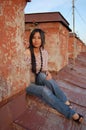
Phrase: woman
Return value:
(45, 87)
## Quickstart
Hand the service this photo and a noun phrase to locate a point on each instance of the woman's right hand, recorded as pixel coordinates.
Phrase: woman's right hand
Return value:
(48, 75)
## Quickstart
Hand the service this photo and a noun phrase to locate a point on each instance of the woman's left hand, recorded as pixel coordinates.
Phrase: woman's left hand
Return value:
(48, 75)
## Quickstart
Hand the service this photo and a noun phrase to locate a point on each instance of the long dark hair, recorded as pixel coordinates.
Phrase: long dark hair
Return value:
(33, 60)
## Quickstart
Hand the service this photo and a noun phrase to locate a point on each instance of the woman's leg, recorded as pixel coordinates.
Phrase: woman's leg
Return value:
(34, 89)
(51, 84)
(56, 103)
(46, 94)
(56, 89)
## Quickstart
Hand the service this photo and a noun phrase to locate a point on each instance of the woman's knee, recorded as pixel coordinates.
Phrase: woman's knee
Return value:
(41, 77)
(32, 88)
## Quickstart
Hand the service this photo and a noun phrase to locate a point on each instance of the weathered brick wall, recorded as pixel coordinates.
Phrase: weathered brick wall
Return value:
(56, 43)
(70, 47)
(81, 46)
(13, 76)
(75, 46)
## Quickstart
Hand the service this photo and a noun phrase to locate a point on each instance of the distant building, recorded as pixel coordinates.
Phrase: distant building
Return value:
(75, 46)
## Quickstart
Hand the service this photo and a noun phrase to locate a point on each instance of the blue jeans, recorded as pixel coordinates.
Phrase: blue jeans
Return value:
(49, 91)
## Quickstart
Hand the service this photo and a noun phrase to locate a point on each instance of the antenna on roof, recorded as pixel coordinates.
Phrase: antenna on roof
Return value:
(74, 42)
(73, 7)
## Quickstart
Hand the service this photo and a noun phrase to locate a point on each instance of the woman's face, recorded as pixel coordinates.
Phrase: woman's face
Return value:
(36, 40)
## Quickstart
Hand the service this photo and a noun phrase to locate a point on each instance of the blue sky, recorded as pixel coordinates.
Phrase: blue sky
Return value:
(65, 8)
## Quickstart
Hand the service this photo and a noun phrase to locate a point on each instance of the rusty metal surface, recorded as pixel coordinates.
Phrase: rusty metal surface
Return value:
(39, 116)
(11, 110)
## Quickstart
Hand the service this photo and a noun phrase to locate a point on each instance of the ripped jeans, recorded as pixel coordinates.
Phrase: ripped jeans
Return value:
(49, 91)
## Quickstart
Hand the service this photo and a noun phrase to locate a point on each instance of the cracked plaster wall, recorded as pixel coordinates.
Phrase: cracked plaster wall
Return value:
(14, 75)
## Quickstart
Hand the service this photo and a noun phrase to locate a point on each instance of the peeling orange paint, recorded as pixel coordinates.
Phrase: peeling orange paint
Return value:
(13, 76)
